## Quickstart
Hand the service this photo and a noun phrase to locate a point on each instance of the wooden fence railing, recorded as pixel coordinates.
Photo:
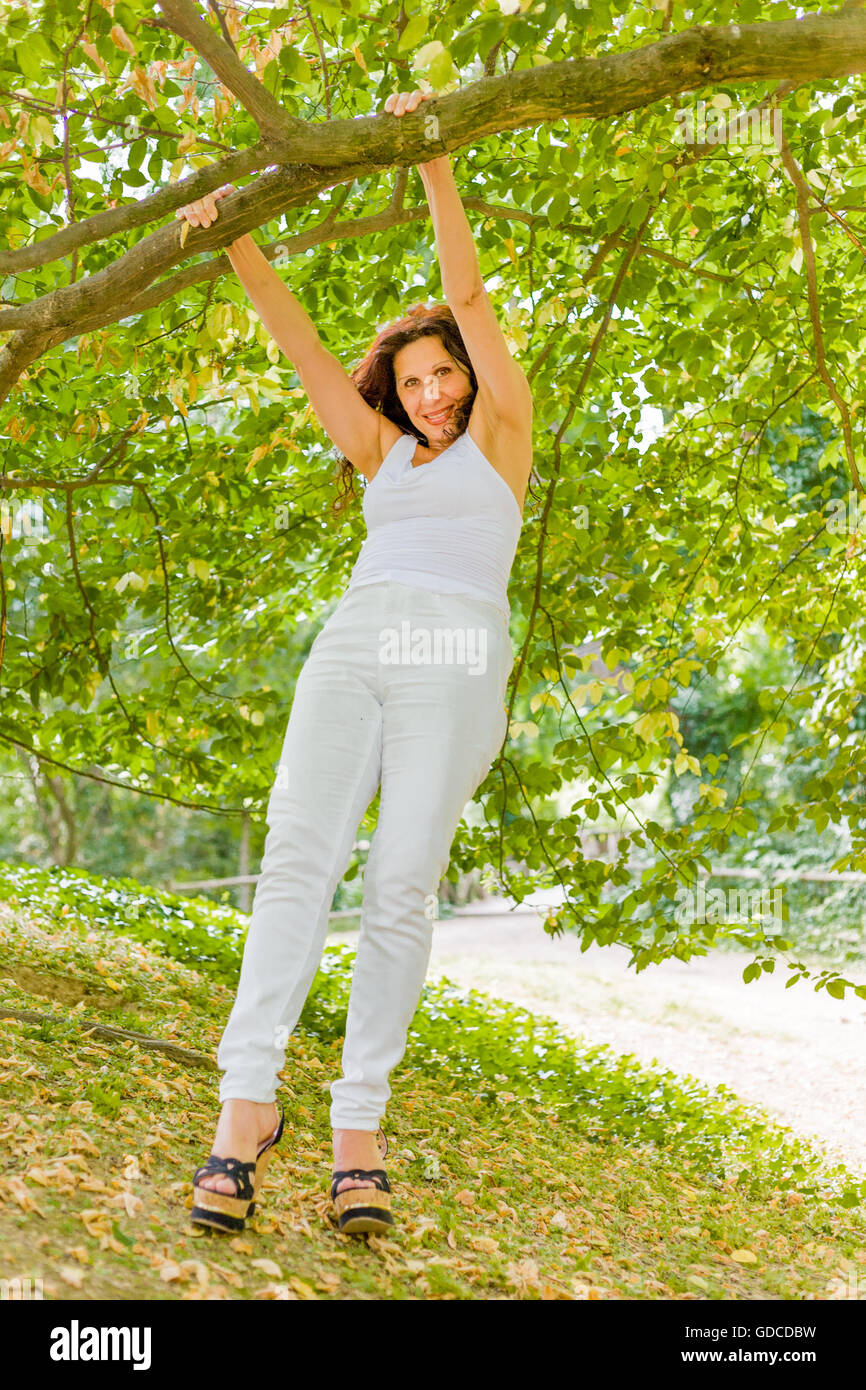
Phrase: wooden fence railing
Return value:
(775, 875)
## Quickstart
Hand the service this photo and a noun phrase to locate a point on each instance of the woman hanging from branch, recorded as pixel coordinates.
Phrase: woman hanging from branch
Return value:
(438, 418)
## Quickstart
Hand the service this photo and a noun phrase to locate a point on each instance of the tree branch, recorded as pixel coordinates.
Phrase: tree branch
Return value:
(183, 19)
(320, 155)
(113, 221)
(817, 46)
(185, 1055)
(802, 188)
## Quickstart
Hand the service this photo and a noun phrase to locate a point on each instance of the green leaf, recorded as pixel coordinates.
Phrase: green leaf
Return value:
(416, 28)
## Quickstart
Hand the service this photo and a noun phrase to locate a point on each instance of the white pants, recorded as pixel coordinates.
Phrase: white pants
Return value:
(363, 713)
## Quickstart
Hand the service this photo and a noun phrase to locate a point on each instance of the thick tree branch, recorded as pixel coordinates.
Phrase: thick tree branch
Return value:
(818, 46)
(113, 221)
(815, 47)
(182, 17)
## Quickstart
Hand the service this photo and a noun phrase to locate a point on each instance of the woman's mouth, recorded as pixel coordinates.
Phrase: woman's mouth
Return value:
(440, 417)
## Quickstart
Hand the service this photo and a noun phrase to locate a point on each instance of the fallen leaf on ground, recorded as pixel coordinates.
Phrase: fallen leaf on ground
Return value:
(302, 1288)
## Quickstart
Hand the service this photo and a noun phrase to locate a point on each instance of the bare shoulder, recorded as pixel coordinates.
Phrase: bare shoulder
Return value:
(507, 446)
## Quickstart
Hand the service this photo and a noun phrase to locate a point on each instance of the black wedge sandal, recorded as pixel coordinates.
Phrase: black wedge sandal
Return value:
(360, 1209)
(220, 1210)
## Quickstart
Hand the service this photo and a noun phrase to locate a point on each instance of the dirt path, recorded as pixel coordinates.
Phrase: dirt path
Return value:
(798, 1054)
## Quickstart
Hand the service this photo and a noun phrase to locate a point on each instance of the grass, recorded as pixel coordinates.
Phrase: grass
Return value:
(559, 1186)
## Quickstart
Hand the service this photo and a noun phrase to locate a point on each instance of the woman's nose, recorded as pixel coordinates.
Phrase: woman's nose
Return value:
(431, 389)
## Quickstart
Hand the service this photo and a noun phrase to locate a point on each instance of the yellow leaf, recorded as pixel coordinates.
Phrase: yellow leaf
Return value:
(41, 131)
(76, 1138)
(744, 1257)
(523, 1274)
(33, 177)
(269, 1267)
(646, 726)
(516, 728)
(89, 50)
(92, 1220)
(20, 1193)
(487, 1244)
(185, 226)
(258, 453)
(301, 1288)
(120, 37)
(200, 1271)
(133, 1204)
(144, 86)
(359, 57)
(37, 1175)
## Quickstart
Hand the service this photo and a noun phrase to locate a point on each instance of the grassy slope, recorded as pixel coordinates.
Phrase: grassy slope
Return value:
(99, 1141)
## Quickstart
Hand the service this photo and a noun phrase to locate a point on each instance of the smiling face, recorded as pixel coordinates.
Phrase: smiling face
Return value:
(430, 384)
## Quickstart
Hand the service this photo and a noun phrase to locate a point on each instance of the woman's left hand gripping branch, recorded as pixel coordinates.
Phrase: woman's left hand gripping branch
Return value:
(398, 103)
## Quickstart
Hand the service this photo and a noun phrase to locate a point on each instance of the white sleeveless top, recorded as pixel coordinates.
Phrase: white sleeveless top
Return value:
(451, 524)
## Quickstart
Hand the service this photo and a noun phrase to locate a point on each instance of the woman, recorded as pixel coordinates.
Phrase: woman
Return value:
(438, 418)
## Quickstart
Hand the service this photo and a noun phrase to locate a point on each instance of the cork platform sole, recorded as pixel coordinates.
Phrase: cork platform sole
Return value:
(220, 1210)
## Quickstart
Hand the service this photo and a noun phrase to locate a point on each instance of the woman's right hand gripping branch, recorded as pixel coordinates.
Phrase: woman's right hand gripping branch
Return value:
(203, 211)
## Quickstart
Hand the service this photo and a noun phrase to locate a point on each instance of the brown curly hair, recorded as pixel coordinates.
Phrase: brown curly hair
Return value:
(375, 379)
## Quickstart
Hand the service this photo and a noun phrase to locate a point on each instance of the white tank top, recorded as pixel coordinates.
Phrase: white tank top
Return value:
(451, 524)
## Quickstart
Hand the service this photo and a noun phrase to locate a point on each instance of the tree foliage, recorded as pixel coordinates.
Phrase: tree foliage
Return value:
(644, 249)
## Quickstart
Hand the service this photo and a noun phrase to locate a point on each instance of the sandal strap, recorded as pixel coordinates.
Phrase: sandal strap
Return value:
(277, 1134)
(229, 1168)
(378, 1176)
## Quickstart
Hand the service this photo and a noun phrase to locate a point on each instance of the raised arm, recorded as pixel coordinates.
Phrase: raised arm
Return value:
(344, 415)
(502, 384)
